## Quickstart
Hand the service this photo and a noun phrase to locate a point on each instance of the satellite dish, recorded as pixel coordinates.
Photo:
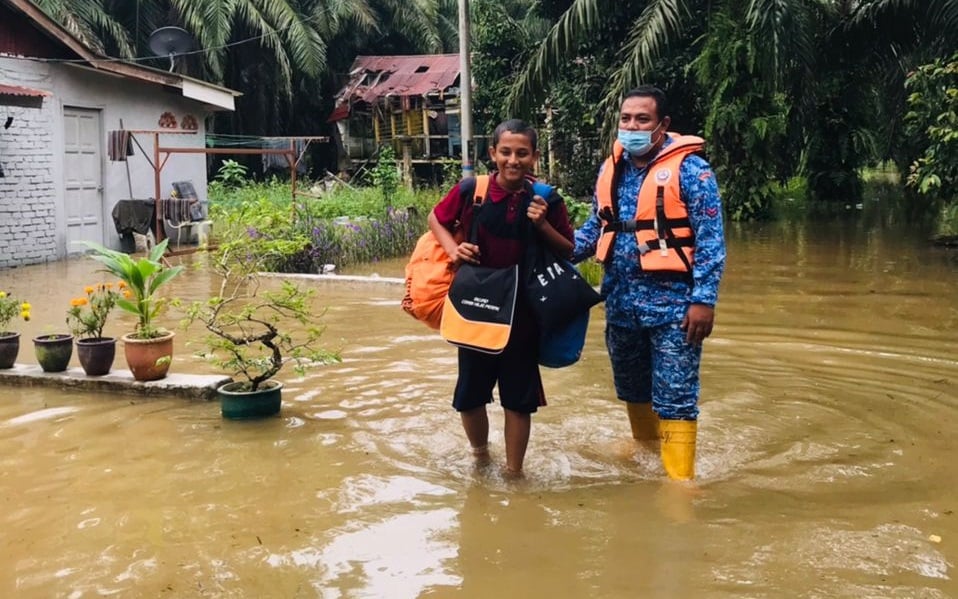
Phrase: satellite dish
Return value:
(170, 41)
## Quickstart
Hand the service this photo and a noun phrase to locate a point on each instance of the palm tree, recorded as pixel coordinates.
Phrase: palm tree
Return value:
(92, 23)
(791, 47)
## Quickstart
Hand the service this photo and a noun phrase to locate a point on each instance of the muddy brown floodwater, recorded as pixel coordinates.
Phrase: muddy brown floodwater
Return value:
(826, 464)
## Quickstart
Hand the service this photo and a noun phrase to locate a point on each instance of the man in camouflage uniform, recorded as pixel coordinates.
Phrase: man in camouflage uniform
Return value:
(657, 227)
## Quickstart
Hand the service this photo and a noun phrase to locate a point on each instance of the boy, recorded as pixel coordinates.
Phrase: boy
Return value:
(507, 217)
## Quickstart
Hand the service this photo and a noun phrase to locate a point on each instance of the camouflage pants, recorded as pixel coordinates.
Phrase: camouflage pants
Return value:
(656, 364)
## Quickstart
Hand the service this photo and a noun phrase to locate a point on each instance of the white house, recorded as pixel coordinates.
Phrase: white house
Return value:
(59, 103)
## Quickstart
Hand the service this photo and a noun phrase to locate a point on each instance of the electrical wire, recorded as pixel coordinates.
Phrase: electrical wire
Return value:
(146, 58)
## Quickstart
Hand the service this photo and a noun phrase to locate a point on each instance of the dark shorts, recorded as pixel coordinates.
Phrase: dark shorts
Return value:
(515, 370)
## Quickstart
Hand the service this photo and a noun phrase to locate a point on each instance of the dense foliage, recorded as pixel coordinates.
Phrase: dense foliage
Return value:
(781, 88)
(933, 117)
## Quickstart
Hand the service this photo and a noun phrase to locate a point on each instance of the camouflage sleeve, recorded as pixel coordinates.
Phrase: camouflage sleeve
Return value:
(701, 195)
(587, 236)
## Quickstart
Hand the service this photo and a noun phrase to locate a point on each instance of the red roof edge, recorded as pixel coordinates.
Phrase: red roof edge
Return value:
(16, 90)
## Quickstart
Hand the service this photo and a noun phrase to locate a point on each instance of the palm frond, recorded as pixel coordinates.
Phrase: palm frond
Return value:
(922, 25)
(558, 47)
(305, 48)
(333, 16)
(782, 36)
(417, 21)
(251, 15)
(659, 24)
(210, 25)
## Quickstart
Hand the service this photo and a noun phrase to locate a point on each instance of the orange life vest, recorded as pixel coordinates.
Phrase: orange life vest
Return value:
(661, 226)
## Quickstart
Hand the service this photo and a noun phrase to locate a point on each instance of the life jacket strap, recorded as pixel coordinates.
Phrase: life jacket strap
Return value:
(631, 226)
(622, 226)
(671, 242)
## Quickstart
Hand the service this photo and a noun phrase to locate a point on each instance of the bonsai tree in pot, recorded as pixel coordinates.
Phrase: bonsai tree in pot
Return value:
(148, 349)
(10, 308)
(253, 332)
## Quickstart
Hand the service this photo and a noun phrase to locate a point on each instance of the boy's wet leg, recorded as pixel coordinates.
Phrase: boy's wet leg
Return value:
(475, 423)
(517, 429)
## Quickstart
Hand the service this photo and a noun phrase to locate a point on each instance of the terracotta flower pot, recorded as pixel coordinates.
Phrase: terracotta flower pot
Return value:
(9, 348)
(148, 359)
(96, 355)
(53, 351)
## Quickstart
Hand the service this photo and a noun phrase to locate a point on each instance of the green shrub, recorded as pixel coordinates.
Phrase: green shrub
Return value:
(344, 227)
(592, 271)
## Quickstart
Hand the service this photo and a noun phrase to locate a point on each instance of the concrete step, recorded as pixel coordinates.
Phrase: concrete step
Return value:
(200, 387)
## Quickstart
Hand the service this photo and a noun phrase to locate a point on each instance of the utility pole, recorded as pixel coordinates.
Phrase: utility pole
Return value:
(465, 89)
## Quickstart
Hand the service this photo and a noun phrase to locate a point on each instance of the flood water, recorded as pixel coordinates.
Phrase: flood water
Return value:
(826, 463)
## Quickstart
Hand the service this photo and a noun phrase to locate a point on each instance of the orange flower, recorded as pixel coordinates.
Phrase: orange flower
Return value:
(87, 315)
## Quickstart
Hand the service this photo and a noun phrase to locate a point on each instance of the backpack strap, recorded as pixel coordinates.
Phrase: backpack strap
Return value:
(480, 190)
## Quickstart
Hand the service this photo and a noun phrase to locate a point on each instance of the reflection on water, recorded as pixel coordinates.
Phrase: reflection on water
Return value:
(826, 460)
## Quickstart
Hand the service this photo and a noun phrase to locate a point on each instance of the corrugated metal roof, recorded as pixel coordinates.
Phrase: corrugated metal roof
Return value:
(16, 90)
(374, 77)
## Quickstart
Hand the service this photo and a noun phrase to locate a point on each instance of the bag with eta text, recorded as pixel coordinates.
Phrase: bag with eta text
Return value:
(555, 289)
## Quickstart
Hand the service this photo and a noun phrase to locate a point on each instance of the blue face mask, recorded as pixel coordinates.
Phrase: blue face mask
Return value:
(636, 143)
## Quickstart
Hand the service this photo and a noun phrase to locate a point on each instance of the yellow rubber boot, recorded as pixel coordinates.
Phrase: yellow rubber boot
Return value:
(678, 448)
(645, 424)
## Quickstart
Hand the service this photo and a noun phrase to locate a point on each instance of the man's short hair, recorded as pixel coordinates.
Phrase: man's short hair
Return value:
(517, 126)
(650, 91)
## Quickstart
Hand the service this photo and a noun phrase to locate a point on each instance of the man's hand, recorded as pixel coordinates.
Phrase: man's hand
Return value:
(697, 323)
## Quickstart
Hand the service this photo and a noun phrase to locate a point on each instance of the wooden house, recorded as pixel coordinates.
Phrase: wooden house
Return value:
(410, 102)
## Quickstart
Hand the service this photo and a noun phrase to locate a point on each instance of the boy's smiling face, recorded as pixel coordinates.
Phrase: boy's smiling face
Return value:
(514, 157)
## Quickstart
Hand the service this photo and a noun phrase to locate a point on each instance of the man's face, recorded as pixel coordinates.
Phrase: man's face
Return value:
(514, 157)
(639, 113)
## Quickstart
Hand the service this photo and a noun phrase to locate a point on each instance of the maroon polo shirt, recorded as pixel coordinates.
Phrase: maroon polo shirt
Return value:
(500, 252)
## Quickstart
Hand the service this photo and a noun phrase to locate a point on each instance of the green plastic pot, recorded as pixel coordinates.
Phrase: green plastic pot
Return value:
(236, 404)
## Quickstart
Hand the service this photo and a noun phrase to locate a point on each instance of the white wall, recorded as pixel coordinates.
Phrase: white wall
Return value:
(32, 211)
(28, 191)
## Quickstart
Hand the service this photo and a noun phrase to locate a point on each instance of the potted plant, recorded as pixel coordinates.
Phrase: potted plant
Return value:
(86, 318)
(53, 351)
(253, 332)
(148, 349)
(10, 308)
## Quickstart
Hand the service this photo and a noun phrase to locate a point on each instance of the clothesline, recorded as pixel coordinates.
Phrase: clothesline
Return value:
(216, 140)
(120, 144)
(293, 152)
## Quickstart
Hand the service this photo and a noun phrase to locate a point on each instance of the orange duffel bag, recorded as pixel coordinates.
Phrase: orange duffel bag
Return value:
(428, 276)
(429, 272)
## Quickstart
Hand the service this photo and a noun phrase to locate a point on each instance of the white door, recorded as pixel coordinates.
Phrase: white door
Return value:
(83, 174)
